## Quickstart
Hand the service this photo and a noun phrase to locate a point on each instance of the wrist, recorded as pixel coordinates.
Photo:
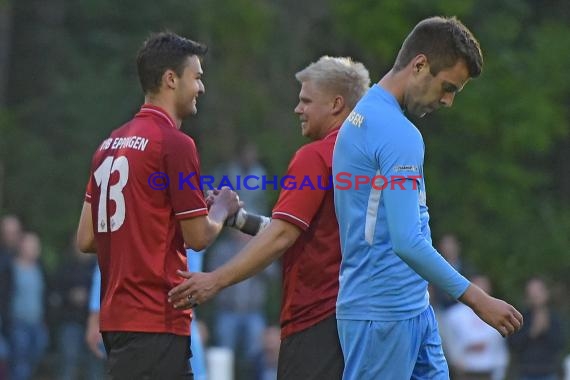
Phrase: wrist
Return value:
(221, 279)
(248, 223)
(472, 296)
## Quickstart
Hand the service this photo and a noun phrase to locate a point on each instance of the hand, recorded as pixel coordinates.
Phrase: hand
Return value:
(210, 197)
(198, 288)
(226, 198)
(93, 336)
(495, 312)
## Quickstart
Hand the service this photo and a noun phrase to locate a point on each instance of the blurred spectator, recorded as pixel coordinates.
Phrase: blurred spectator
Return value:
(71, 296)
(475, 350)
(4, 351)
(198, 334)
(28, 335)
(539, 344)
(92, 334)
(450, 248)
(247, 164)
(266, 366)
(10, 235)
(240, 309)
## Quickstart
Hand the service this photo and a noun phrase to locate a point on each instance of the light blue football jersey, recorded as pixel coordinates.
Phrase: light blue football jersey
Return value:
(378, 142)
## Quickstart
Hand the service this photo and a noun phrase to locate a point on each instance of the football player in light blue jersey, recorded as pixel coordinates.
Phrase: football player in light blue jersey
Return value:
(387, 328)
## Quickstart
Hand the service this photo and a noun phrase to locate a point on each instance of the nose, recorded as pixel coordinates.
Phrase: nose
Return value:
(201, 89)
(298, 109)
(447, 99)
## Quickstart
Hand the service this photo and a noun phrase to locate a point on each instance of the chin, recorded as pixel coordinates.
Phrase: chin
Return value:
(192, 111)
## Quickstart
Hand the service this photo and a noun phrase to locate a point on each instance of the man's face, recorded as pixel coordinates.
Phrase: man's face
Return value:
(537, 293)
(314, 109)
(189, 87)
(427, 93)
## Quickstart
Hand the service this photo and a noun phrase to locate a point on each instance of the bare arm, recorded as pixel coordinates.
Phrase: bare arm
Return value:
(85, 235)
(261, 250)
(93, 336)
(201, 231)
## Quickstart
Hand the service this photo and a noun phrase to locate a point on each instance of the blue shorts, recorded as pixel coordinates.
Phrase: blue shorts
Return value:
(399, 350)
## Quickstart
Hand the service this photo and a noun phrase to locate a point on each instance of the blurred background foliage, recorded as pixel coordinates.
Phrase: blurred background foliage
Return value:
(497, 165)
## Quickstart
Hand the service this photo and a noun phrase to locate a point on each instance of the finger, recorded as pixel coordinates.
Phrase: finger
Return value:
(192, 303)
(179, 298)
(519, 316)
(187, 302)
(510, 328)
(515, 322)
(187, 306)
(174, 292)
(179, 292)
(181, 304)
(183, 273)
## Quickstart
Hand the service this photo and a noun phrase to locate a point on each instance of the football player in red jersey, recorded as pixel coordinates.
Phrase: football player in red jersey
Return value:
(142, 205)
(303, 230)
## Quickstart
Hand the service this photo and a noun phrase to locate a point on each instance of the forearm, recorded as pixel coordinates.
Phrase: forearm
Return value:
(261, 251)
(402, 212)
(85, 238)
(216, 218)
(473, 297)
(248, 223)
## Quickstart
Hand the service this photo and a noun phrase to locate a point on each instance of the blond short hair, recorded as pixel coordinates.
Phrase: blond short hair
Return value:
(338, 75)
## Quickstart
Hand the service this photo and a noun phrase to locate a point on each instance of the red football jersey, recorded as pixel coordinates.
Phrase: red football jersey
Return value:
(144, 178)
(311, 266)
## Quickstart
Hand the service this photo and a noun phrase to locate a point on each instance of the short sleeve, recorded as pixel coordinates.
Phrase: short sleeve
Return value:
(182, 167)
(89, 190)
(303, 188)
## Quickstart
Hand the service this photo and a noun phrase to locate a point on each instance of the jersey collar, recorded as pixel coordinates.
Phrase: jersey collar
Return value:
(332, 132)
(155, 110)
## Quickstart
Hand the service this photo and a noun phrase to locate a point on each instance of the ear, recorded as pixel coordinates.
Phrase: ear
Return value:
(338, 105)
(170, 79)
(419, 63)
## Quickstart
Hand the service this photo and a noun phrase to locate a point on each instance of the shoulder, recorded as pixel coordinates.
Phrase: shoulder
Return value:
(176, 140)
(385, 125)
(400, 140)
(314, 152)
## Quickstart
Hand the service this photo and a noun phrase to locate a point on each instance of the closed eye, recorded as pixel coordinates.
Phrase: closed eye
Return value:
(449, 87)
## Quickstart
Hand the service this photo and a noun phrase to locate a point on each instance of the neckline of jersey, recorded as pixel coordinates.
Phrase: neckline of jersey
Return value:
(155, 110)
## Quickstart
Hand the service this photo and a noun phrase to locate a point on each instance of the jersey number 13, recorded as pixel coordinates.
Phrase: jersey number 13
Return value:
(112, 193)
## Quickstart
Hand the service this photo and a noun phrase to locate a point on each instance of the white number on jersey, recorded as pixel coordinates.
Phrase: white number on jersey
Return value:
(102, 176)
